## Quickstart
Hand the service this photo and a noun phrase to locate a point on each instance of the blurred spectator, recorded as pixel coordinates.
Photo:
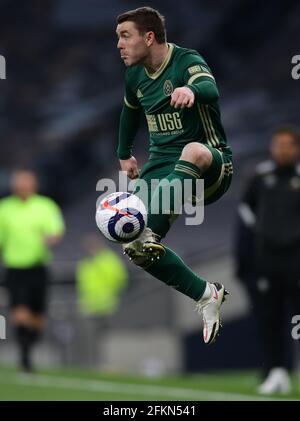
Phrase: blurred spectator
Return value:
(100, 276)
(29, 225)
(268, 252)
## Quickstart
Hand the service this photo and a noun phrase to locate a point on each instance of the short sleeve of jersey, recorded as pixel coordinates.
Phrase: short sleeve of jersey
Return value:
(194, 69)
(130, 98)
(52, 218)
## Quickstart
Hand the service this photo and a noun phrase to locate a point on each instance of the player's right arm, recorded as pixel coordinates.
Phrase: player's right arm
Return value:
(129, 124)
(130, 167)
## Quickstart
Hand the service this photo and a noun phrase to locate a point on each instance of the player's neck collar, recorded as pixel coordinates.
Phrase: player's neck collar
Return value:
(164, 64)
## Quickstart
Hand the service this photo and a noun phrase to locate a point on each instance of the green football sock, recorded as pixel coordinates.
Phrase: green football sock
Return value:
(172, 187)
(173, 271)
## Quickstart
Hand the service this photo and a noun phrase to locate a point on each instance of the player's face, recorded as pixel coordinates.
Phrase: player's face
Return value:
(131, 43)
(284, 149)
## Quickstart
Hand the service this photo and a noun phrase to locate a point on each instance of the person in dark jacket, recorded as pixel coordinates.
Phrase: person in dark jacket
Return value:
(269, 229)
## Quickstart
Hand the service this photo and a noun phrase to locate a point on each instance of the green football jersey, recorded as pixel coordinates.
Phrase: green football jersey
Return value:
(171, 129)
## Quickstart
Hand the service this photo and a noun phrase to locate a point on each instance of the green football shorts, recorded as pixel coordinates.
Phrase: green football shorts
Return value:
(217, 178)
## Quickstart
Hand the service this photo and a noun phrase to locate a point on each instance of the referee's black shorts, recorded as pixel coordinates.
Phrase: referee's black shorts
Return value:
(28, 287)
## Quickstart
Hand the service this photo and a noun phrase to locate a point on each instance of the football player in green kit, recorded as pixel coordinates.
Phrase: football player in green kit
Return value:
(177, 92)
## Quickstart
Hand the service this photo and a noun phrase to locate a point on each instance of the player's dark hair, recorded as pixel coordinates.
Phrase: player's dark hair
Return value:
(146, 19)
(290, 129)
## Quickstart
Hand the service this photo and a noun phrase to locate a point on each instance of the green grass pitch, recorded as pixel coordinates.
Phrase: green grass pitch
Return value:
(82, 385)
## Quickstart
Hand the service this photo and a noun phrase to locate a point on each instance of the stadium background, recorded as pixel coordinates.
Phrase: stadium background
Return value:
(59, 110)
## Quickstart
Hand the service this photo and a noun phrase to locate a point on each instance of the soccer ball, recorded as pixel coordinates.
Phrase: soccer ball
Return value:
(121, 217)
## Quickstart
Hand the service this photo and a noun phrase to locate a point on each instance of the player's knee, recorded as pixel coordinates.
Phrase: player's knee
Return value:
(197, 154)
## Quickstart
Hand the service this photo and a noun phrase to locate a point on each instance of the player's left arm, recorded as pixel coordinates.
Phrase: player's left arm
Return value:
(54, 225)
(53, 240)
(199, 85)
